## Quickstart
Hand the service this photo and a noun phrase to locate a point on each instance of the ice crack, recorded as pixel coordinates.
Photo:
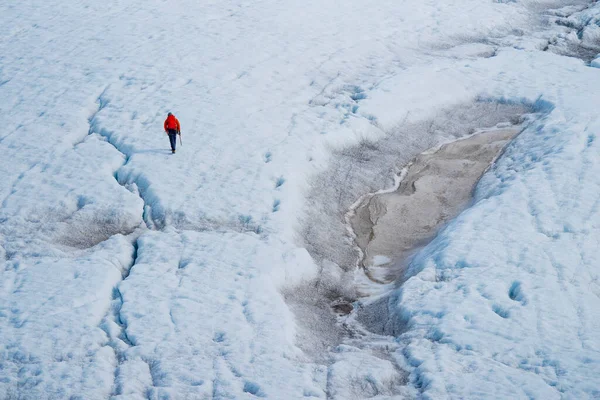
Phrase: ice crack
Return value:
(140, 183)
(115, 326)
(114, 323)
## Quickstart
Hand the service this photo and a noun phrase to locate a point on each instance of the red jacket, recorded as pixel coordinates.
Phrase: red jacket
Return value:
(172, 123)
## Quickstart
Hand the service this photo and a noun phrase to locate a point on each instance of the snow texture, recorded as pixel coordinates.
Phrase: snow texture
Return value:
(131, 273)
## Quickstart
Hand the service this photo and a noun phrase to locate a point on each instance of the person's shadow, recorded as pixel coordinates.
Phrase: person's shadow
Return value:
(156, 151)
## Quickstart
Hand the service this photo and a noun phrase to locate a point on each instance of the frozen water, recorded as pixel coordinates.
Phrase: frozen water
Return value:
(132, 273)
(437, 186)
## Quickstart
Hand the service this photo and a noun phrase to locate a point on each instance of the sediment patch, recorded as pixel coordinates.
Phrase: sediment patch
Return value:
(327, 307)
(438, 184)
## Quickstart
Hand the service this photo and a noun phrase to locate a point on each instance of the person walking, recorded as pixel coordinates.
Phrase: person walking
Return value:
(172, 128)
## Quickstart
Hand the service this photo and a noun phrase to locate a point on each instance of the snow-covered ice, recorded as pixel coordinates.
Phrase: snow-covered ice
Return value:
(130, 273)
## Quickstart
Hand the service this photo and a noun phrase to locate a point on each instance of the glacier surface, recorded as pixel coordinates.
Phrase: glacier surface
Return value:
(129, 273)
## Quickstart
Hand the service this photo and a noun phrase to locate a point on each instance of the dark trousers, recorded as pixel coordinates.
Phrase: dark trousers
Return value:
(172, 138)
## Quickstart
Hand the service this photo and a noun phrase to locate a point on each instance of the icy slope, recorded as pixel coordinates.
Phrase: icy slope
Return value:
(130, 273)
(505, 302)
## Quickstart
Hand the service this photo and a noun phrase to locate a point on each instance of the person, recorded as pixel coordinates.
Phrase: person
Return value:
(172, 128)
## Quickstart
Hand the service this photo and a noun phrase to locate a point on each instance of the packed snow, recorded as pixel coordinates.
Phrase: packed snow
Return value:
(131, 273)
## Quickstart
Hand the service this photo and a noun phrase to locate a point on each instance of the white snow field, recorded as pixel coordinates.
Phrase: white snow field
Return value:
(131, 273)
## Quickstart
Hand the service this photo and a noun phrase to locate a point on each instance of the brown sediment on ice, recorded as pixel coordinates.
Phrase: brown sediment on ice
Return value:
(437, 186)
